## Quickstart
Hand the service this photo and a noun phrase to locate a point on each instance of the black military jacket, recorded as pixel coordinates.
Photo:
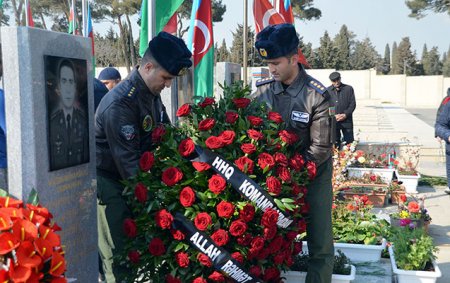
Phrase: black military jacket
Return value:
(304, 106)
(124, 121)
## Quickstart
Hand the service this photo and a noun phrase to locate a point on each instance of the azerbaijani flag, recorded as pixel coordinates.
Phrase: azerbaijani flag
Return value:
(71, 20)
(90, 33)
(201, 43)
(284, 8)
(1, 4)
(30, 15)
(164, 10)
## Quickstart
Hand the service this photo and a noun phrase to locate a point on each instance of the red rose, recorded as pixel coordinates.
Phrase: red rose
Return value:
(182, 259)
(248, 148)
(304, 208)
(269, 218)
(312, 170)
(201, 166)
(227, 137)
(265, 159)
(245, 240)
(199, 280)
(184, 110)
(245, 164)
(298, 247)
(255, 270)
(373, 178)
(297, 190)
(146, 161)
(156, 247)
(207, 101)
(273, 185)
(187, 197)
(276, 244)
(257, 244)
(217, 184)
(263, 254)
(171, 176)
(231, 117)
(238, 257)
(204, 260)
(288, 137)
(284, 174)
(403, 198)
(255, 121)
(158, 133)
(206, 124)
(163, 219)
(220, 237)
(241, 102)
(280, 159)
(291, 235)
(255, 135)
(297, 162)
(225, 209)
(216, 277)
(270, 232)
(301, 226)
(186, 147)
(271, 273)
(279, 258)
(177, 234)
(238, 228)
(247, 212)
(140, 192)
(275, 116)
(171, 279)
(202, 221)
(214, 142)
(130, 228)
(133, 256)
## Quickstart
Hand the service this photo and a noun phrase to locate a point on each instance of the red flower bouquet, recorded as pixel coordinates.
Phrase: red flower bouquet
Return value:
(30, 249)
(223, 196)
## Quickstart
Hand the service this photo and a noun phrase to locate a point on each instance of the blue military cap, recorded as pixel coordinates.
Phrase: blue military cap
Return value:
(276, 41)
(335, 76)
(109, 73)
(171, 53)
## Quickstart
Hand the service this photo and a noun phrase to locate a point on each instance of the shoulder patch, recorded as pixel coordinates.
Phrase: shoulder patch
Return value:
(315, 84)
(264, 81)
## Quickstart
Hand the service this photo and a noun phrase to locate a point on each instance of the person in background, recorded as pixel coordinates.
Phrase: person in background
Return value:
(124, 121)
(442, 131)
(100, 90)
(303, 102)
(110, 77)
(3, 156)
(343, 99)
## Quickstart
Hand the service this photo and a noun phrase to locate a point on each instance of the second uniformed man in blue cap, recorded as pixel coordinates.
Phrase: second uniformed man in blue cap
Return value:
(304, 105)
(124, 121)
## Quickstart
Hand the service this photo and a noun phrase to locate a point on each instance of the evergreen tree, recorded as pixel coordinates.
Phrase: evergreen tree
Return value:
(405, 60)
(386, 65)
(223, 55)
(433, 64)
(343, 42)
(425, 60)
(327, 52)
(304, 10)
(364, 56)
(309, 54)
(419, 8)
(236, 51)
(446, 65)
(394, 68)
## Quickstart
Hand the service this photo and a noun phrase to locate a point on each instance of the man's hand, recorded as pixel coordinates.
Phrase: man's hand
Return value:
(340, 117)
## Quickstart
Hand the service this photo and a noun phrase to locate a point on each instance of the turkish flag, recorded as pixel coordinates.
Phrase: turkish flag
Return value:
(265, 15)
(203, 32)
(284, 8)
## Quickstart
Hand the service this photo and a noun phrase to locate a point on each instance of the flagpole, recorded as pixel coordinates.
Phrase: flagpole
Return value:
(26, 13)
(83, 14)
(74, 17)
(152, 20)
(245, 43)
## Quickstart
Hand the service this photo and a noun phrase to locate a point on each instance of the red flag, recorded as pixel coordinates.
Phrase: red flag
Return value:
(171, 26)
(284, 7)
(30, 16)
(265, 15)
(202, 32)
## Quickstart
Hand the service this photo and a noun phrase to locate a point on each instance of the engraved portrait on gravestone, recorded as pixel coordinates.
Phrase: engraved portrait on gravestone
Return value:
(67, 111)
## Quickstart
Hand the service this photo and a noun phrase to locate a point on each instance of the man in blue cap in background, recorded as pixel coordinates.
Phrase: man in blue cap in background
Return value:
(304, 105)
(110, 77)
(124, 122)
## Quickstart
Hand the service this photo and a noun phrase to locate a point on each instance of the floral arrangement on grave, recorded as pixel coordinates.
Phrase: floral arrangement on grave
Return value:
(369, 160)
(353, 222)
(411, 212)
(30, 248)
(341, 263)
(220, 198)
(341, 159)
(409, 160)
(367, 178)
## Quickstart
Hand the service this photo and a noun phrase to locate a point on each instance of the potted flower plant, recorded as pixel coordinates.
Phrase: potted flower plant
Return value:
(397, 192)
(413, 256)
(364, 162)
(343, 271)
(410, 213)
(375, 194)
(407, 170)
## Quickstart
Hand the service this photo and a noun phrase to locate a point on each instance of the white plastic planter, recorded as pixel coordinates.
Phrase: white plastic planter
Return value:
(411, 276)
(386, 174)
(299, 277)
(410, 182)
(358, 252)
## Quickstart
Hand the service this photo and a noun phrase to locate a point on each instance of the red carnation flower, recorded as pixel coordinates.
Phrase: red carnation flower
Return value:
(182, 259)
(284, 174)
(184, 110)
(206, 124)
(238, 257)
(199, 280)
(187, 197)
(273, 185)
(130, 228)
(156, 247)
(241, 102)
(275, 116)
(171, 176)
(312, 170)
(269, 218)
(265, 159)
(220, 237)
(171, 279)
(225, 209)
(201, 166)
(202, 221)
(238, 228)
(186, 147)
(245, 164)
(204, 260)
(140, 192)
(255, 121)
(255, 135)
(214, 142)
(216, 277)
(248, 148)
(146, 161)
(158, 133)
(227, 137)
(280, 159)
(133, 256)
(247, 212)
(231, 117)
(163, 219)
(297, 162)
(206, 102)
(177, 234)
(217, 184)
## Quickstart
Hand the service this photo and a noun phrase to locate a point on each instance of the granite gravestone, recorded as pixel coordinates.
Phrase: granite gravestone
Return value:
(226, 74)
(46, 76)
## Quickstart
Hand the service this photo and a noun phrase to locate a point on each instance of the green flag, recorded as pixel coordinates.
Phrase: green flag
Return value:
(1, 4)
(164, 9)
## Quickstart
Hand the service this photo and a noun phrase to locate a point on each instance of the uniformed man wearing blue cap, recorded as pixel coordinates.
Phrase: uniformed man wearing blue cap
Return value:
(304, 105)
(110, 77)
(125, 119)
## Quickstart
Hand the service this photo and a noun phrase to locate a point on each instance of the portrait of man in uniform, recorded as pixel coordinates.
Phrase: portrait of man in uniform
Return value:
(68, 132)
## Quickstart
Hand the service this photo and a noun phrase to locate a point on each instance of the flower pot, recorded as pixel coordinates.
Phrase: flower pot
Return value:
(410, 182)
(386, 174)
(418, 223)
(395, 196)
(376, 198)
(298, 276)
(414, 276)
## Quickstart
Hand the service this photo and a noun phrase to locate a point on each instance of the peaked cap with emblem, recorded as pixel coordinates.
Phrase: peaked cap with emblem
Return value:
(276, 41)
(171, 53)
